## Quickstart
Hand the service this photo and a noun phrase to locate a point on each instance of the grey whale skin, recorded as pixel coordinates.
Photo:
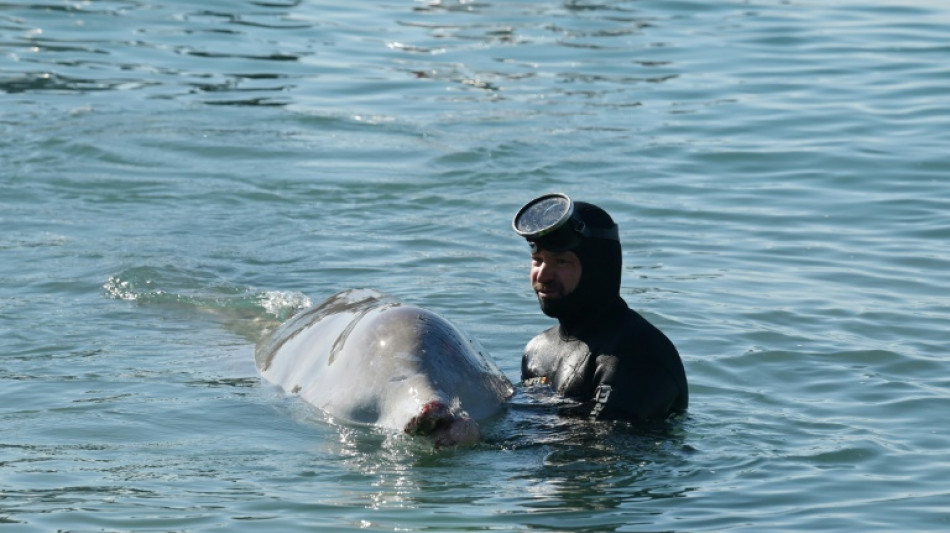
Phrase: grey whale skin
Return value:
(365, 358)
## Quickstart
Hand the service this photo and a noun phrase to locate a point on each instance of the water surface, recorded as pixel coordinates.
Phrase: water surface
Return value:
(179, 176)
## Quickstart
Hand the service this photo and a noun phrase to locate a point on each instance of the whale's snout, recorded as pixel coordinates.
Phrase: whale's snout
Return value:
(444, 427)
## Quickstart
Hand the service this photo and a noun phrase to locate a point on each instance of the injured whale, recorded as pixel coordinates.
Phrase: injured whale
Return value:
(365, 358)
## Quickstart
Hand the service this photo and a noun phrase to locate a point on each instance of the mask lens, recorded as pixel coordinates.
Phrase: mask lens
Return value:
(543, 215)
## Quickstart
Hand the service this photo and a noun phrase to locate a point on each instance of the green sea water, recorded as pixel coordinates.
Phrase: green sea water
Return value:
(177, 177)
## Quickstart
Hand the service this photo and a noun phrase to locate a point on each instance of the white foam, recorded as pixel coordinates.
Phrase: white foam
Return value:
(283, 304)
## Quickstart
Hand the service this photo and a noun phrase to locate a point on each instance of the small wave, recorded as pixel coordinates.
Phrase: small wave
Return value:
(283, 305)
(119, 289)
(202, 291)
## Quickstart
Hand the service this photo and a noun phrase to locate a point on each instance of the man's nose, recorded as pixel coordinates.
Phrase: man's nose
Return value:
(545, 273)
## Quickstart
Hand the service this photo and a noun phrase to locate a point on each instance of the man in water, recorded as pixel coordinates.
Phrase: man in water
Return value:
(602, 354)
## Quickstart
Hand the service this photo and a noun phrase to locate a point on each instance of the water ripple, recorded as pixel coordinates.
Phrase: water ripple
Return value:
(178, 176)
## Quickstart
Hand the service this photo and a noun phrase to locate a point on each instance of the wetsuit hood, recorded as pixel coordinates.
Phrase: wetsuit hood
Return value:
(599, 286)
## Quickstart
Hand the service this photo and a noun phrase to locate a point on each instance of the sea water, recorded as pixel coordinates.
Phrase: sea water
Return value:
(179, 176)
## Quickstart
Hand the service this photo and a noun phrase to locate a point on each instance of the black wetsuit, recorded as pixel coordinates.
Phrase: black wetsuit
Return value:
(614, 363)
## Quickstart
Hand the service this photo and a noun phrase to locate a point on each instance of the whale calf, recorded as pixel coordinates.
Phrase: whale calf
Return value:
(365, 358)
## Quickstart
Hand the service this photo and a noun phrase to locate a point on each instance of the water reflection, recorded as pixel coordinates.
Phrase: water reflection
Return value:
(534, 468)
(528, 53)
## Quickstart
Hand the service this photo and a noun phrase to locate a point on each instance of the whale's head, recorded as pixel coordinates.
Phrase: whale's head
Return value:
(366, 359)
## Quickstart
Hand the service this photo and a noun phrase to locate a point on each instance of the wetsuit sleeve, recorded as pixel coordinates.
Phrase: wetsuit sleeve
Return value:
(643, 384)
(539, 361)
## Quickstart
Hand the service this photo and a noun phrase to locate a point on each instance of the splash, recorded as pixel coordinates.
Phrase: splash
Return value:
(283, 305)
(202, 291)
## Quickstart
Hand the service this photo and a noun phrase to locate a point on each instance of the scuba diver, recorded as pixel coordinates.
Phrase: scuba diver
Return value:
(602, 355)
